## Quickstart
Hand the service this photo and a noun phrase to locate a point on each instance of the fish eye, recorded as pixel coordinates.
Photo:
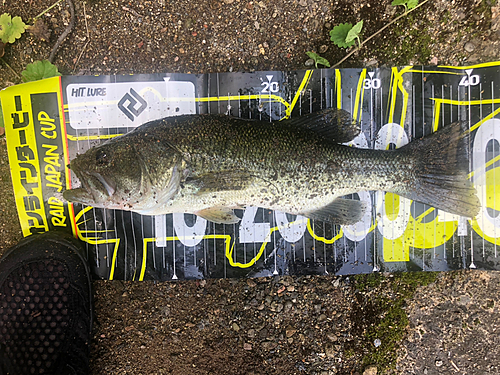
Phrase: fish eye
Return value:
(101, 158)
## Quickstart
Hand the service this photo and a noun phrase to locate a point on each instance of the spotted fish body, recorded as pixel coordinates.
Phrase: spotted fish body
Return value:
(211, 164)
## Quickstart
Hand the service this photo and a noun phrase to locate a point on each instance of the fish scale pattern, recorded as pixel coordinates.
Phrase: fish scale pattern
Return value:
(34, 315)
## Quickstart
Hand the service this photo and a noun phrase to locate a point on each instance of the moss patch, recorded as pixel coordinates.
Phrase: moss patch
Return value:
(380, 314)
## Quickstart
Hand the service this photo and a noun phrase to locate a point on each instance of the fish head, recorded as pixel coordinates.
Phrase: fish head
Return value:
(111, 176)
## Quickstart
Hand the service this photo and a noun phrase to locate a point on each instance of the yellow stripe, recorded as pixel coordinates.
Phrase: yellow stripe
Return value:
(482, 65)
(437, 112)
(434, 71)
(420, 217)
(486, 165)
(92, 137)
(405, 95)
(323, 239)
(303, 84)
(96, 240)
(393, 90)
(359, 91)
(471, 102)
(398, 83)
(466, 102)
(338, 88)
(271, 97)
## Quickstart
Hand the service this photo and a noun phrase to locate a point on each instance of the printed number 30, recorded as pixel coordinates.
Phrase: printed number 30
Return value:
(371, 84)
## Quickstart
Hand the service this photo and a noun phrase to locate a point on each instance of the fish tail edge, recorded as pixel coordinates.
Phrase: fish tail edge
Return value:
(441, 166)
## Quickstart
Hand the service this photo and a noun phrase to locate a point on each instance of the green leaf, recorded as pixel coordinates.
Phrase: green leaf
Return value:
(11, 28)
(412, 4)
(399, 2)
(339, 34)
(354, 32)
(318, 59)
(39, 70)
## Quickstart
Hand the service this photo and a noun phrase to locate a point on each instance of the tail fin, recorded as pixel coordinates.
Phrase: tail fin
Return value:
(441, 168)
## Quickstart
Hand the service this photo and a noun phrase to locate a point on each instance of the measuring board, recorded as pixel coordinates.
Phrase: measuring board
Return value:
(49, 122)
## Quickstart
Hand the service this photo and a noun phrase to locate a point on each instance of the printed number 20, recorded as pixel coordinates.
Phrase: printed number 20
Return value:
(270, 87)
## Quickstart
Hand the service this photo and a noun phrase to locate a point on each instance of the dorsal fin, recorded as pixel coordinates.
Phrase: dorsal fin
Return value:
(336, 125)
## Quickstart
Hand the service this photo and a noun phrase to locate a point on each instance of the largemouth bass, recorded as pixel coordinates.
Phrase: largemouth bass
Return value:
(210, 165)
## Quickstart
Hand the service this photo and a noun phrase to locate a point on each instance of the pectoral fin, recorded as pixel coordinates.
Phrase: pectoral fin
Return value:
(219, 215)
(340, 211)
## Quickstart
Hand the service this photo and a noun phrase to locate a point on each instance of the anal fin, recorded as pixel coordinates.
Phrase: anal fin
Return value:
(219, 215)
(340, 211)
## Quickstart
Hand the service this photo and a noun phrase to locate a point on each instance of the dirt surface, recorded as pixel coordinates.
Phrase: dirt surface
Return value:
(301, 325)
(454, 326)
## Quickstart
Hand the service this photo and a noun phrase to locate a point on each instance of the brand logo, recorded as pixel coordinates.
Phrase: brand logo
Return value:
(130, 110)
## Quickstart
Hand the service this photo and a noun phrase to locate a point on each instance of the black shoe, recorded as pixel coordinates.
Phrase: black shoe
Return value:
(45, 307)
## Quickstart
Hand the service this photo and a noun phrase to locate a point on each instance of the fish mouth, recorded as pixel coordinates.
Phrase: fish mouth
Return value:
(96, 189)
(107, 183)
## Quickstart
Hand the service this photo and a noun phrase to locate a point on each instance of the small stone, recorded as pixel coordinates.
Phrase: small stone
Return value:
(290, 332)
(331, 337)
(377, 343)
(309, 62)
(330, 351)
(247, 346)
(251, 283)
(251, 333)
(371, 370)
(263, 333)
(290, 288)
(257, 25)
(469, 47)
(236, 327)
(228, 1)
(464, 300)
(336, 283)
(323, 48)
(439, 363)
(269, 345)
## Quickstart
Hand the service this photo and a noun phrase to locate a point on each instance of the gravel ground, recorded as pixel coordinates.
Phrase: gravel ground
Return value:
(454, 326)
(300, 325)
